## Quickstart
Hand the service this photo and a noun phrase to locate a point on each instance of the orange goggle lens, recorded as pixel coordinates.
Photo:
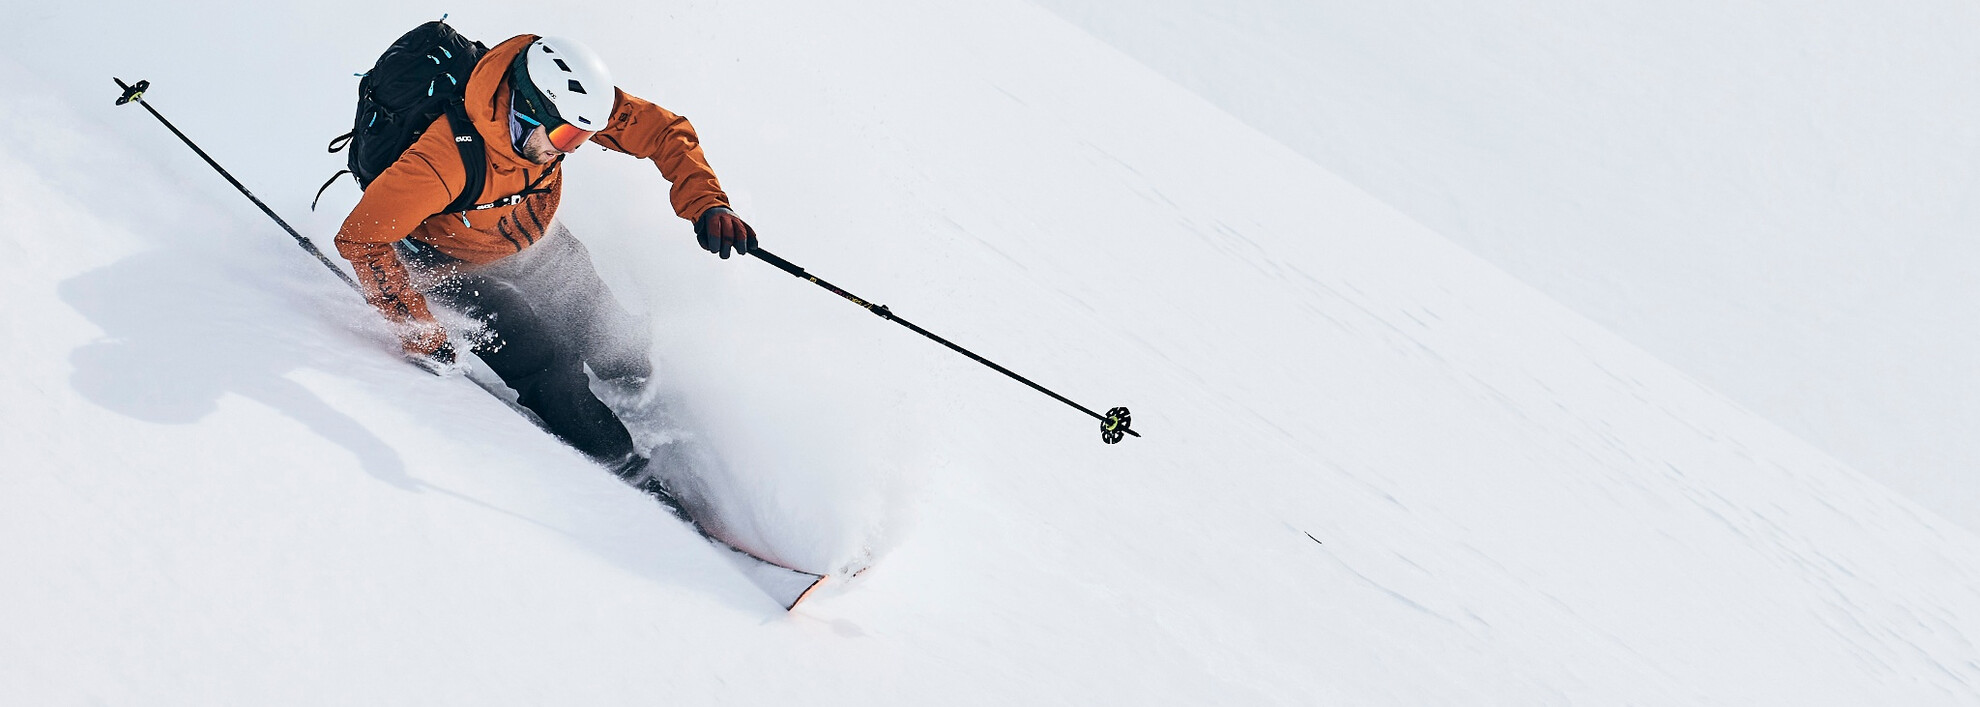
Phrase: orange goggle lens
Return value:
(568, 138)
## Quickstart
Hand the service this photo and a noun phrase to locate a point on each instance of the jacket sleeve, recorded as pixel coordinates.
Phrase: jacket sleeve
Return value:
(392, 207)
(647, 131)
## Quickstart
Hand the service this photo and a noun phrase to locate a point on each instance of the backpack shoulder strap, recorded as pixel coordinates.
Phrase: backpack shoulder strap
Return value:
(474, 157)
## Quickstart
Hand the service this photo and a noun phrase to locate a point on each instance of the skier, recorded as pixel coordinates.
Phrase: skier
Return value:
(509, 263)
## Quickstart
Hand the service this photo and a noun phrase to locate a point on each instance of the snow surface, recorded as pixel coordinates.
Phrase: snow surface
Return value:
(1777, 197)
(1376, 469)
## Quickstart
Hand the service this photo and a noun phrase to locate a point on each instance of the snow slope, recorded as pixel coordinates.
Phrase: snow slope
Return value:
(1776, 197)
(1376, 470)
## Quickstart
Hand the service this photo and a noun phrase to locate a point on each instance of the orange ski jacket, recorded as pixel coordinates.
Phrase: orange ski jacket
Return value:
(406, 199)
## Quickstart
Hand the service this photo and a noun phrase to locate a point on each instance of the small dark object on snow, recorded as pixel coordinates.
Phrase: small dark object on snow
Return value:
(133, 93)
(1115, 426)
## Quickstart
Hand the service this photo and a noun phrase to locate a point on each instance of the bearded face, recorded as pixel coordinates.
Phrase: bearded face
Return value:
(537, 148)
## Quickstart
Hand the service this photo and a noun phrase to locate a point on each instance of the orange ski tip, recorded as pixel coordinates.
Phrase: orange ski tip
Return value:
(806, 593)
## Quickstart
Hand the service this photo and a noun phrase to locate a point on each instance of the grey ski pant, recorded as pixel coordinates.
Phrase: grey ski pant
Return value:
(547, 315)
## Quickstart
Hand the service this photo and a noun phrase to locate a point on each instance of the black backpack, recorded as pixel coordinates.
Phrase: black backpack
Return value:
(421, 77)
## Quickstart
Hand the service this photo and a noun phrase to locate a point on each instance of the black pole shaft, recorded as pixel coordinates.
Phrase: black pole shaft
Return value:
(884, 313)
(300, 239)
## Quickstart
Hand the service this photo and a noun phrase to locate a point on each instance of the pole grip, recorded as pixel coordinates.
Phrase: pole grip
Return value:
(782, 264)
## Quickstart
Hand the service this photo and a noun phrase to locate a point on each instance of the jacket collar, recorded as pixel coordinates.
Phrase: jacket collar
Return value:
(487, 102)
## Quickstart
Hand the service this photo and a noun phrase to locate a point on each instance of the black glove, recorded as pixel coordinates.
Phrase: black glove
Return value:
(720, 230)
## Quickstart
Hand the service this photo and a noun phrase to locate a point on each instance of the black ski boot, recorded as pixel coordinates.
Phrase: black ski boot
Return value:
(635, 472)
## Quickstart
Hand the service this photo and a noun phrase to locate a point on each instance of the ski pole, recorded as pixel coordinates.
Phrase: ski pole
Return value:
(136, 93)
(1112, 425)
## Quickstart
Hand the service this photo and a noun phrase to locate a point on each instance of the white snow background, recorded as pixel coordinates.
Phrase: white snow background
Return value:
(1376, 470)
(1776, 196)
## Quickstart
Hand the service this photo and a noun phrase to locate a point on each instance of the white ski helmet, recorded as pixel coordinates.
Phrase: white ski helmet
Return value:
(572, 80)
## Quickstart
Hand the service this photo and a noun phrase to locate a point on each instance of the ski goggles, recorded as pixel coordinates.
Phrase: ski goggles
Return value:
(563, 136)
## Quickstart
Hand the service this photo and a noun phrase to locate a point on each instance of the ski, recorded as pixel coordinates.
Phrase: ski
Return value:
(786, 585)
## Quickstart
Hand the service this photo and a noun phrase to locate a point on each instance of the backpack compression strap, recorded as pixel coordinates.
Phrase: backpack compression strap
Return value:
(337, 143)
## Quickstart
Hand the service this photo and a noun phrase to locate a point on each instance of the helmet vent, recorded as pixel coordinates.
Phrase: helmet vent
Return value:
(569, 81)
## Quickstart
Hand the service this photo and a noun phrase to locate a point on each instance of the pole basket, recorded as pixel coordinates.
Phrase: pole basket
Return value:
(1115, 425)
